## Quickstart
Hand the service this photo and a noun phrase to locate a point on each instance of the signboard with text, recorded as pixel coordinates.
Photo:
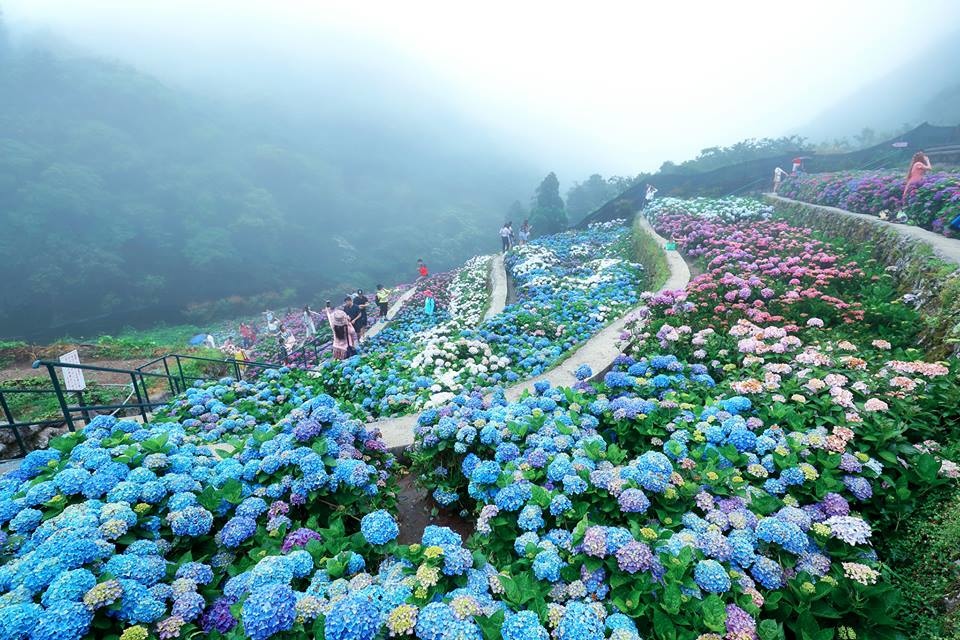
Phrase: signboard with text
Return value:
(72, 378)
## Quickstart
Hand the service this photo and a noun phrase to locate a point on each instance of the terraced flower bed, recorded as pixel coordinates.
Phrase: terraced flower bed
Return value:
(569, 286)
(730, 475)
(932, 205)
(727, 479)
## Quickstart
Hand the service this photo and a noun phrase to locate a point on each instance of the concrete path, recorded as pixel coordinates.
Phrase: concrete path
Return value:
(601, 350)
(391, 312)
(945, 248)
(598, 352)
(498, 287)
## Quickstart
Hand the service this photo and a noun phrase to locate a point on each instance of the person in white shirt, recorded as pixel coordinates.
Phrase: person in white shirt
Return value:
(648, 196)
(505, 233)
(308, 325)
(778, 175)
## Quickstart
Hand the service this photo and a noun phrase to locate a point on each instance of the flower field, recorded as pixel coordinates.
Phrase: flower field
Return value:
(729, 475)
(932, 205)
(569, 286)
(728, 479)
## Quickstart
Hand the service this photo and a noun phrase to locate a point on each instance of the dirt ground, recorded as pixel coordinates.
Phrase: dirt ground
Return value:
(415, 506)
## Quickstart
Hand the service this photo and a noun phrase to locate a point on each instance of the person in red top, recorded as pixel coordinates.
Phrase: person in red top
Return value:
(422, 269)
(918, 168)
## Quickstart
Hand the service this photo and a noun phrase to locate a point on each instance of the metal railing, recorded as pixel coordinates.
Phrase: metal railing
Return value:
(138, 383)
(178, 380)
(11, 420)
(169, 371)
(308, 354)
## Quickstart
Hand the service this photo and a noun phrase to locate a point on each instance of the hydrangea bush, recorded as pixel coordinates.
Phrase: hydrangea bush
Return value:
(932, 204)
(569, 286)
(726, 477)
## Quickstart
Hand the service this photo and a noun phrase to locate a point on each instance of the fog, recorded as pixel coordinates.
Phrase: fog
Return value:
(191, 161)
(609, 87)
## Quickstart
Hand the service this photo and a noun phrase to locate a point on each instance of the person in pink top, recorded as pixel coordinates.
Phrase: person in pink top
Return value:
(918, 168)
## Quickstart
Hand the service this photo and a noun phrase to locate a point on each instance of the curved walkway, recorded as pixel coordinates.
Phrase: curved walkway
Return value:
(598, 353)
(498, 287)
(944, 247)
(392, 311)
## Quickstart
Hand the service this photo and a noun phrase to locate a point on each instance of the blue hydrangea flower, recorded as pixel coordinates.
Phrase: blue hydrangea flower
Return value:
(711, 576)
(268, 610)
(352, 618)
(379, 527)
(523, 625)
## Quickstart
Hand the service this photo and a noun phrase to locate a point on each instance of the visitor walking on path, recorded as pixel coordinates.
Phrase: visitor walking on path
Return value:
(649, 194)
(344, 336)
(352, 312)
(286, 336)
(282, 353)
(429, 304)
(247, 335)
(422, 269)
(525, 230)
(308, 325)
(918, 168)
(505, 237)
(383, 301)
(778, 175)
(360, 301)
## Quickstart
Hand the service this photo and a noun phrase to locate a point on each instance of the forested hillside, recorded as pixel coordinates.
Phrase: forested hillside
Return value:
(120, 194)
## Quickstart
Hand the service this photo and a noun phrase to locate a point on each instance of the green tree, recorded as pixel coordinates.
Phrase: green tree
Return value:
(547, 213)
(585, 197)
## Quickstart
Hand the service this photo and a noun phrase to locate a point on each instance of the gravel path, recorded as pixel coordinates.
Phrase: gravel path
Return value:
(598, 352)
(944, 247)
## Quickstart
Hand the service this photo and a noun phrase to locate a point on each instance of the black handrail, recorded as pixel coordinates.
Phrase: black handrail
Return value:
(173, 372)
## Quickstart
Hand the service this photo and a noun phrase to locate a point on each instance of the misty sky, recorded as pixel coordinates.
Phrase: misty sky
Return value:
(599, 86)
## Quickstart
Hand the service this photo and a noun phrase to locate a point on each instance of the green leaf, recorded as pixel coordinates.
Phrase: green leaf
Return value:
(714, 613)
(663, 627)
(209, 499)
(156, 444)
(672, 599)
(489, 625)
(927, 467)
(232, 491)
(770, 630)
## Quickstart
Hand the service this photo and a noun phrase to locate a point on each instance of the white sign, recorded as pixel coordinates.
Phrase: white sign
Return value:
(72, 378)
(900, 145)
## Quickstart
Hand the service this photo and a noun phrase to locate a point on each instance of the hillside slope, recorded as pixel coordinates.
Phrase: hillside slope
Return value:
(122, 196)
(926, 89)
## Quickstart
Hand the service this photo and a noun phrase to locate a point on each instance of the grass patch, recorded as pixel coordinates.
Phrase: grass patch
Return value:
(45, 406)
(925, 567)
(141, 343)
(648, 252)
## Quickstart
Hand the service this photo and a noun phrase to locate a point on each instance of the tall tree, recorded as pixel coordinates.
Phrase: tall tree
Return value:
(585, 197)
(548, 215)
